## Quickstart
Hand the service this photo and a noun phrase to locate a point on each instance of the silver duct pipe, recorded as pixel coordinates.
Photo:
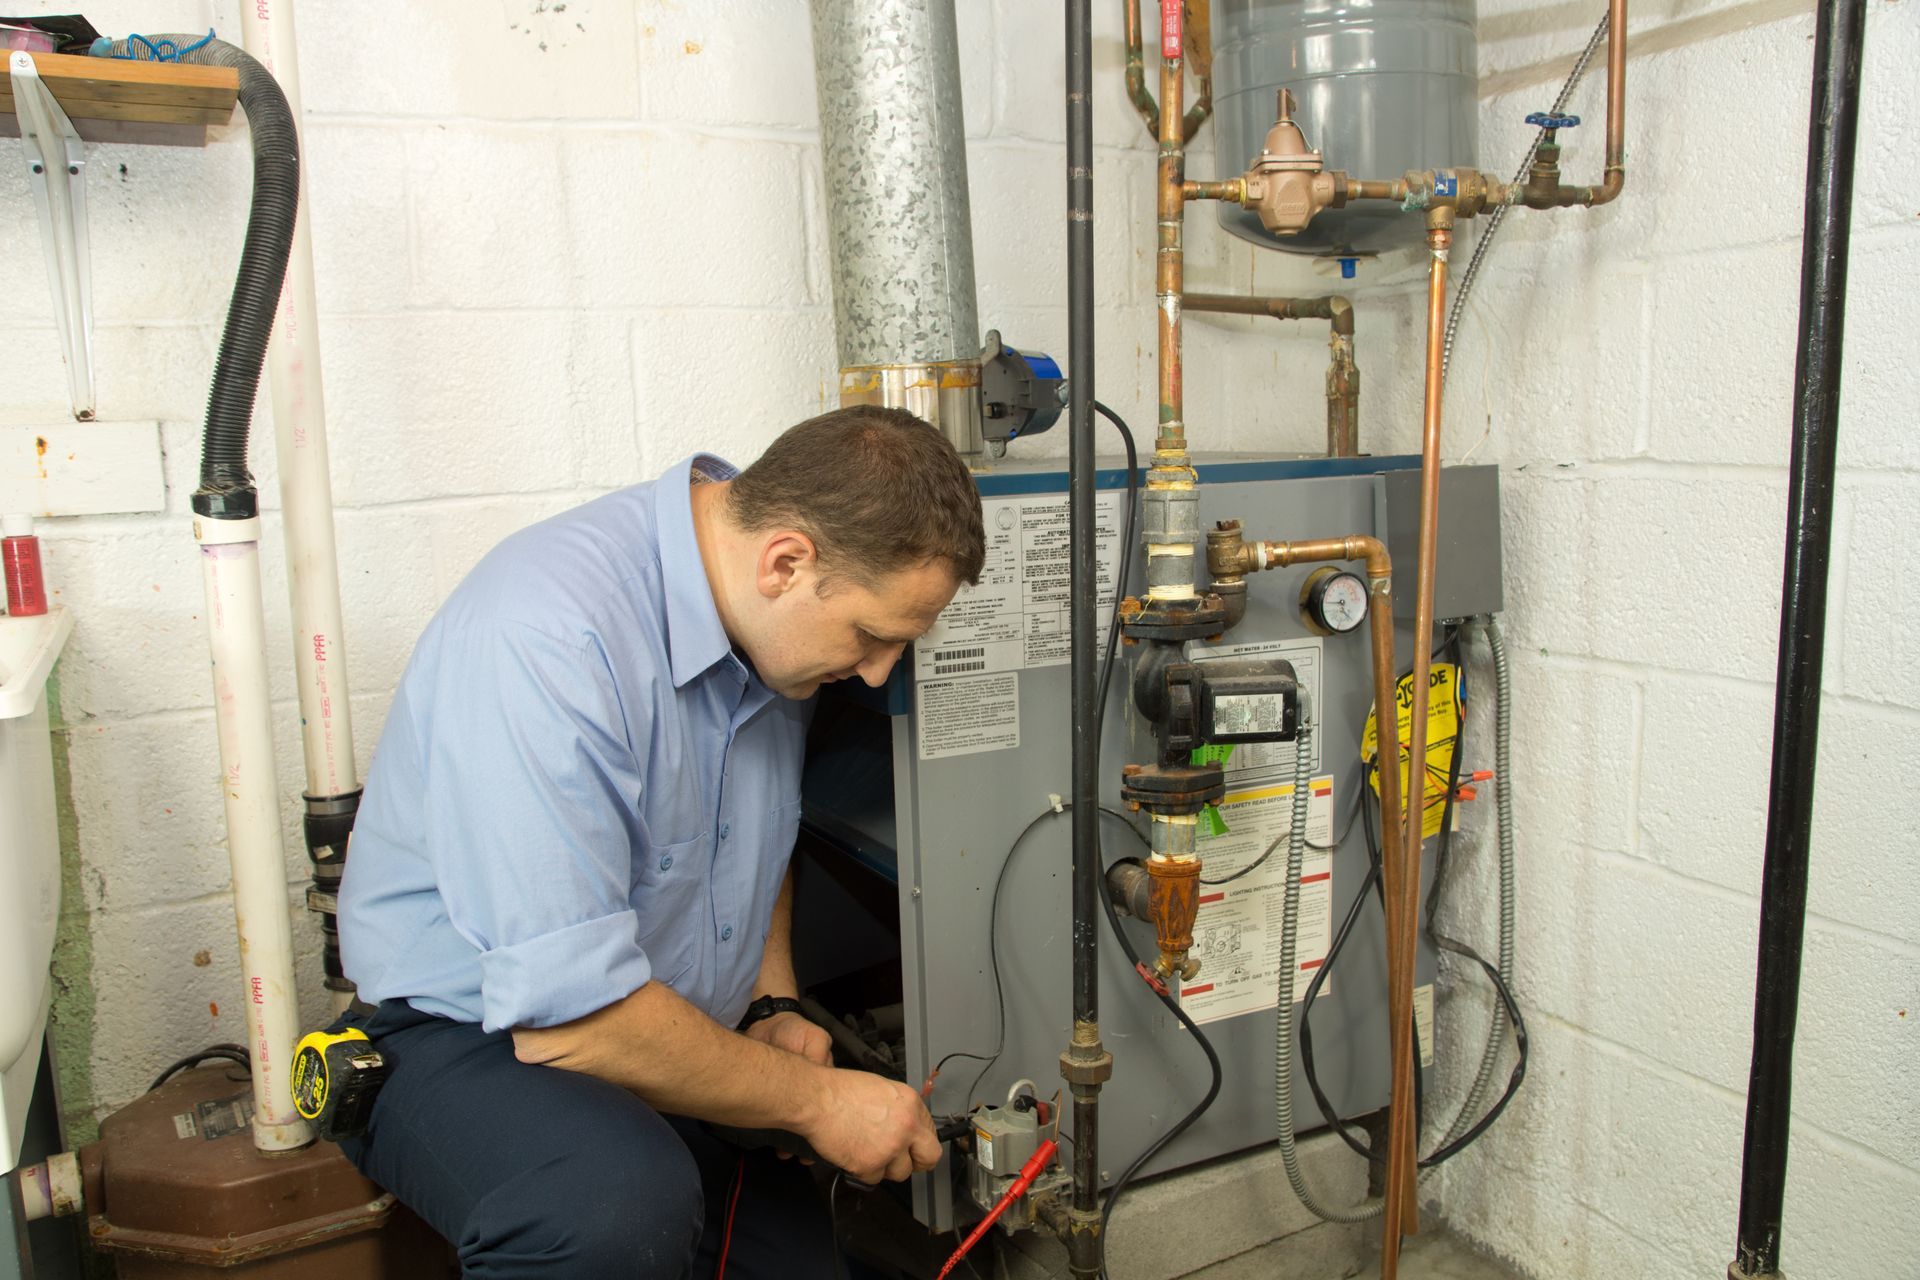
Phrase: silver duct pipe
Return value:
(893, 147)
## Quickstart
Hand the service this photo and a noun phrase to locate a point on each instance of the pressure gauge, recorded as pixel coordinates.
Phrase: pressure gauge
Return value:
(1333, 601)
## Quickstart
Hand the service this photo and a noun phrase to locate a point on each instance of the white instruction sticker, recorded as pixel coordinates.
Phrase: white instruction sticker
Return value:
(1253, 762)
(1236, 936)
(957, 717)
(1423, 1021)
(1016, 615)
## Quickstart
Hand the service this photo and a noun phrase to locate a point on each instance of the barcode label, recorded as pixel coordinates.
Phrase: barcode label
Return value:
(952, 655)
(956, 668)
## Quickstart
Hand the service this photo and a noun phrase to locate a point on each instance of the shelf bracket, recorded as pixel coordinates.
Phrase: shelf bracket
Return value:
(56, 169)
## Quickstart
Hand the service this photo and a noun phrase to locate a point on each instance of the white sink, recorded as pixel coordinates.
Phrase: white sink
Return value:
(29, 860)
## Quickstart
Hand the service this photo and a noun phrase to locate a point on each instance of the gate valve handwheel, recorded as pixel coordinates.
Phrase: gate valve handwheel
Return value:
(1549, 120)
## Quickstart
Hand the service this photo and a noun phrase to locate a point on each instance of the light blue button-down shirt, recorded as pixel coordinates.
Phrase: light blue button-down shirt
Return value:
(581, 788)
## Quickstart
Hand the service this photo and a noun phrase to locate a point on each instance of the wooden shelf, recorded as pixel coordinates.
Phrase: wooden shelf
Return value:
(114, 100)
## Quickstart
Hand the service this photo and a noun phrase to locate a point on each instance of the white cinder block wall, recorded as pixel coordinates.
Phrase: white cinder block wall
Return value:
(558, 246)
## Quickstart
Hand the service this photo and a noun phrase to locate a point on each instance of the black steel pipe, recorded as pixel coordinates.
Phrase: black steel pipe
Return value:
(1084, 1062)
(1839, 32)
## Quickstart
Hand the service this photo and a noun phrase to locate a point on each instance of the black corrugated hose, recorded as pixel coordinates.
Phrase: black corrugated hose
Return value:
(226, 486)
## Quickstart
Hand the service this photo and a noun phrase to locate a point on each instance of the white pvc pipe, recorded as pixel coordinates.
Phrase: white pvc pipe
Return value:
(236, 635)
(300, 441)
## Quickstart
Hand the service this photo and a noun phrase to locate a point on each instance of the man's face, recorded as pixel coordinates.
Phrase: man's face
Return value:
(819, 632)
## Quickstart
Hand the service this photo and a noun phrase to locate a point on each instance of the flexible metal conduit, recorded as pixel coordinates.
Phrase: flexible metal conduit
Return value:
(1503, 804)
(1839, 33)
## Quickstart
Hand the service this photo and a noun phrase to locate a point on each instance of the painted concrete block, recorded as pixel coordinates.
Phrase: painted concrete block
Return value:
(512, 60)
(1878, 380)
(690, 389)
(489, 217)
(676, 219)
(357, 181)
(1722, 340)
(1882, 600)
(1019, 206)
(738, 62)
(1582, 555)
(467, 404)
(1030, 80)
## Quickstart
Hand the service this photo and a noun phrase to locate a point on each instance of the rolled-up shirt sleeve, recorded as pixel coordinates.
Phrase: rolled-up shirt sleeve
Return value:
(529, 787)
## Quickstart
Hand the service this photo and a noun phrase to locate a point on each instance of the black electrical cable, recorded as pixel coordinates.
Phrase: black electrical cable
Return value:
(1374, 881)
(1126, 558)
(226, 1050)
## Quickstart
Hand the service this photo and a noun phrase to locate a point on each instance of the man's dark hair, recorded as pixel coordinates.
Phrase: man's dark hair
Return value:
(878, 490)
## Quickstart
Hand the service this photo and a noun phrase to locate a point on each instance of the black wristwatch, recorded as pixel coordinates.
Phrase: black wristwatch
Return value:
(765, 1007)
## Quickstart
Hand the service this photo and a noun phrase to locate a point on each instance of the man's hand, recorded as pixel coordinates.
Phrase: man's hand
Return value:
(795, 1034)
(872, 1127)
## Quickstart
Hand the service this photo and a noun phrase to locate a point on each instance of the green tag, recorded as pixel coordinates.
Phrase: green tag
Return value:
(1211, 823)
(1211, 755)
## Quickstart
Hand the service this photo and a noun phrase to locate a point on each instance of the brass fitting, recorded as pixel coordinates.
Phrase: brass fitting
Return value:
(1230, 557)
(1288, 182)
(1173, 899)
(1086, 1063)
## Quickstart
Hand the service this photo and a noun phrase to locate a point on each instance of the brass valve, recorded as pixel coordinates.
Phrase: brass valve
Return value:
(1288, 182)
(1173, 900)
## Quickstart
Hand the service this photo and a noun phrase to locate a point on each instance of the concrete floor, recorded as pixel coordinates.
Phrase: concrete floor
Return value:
(1430, 1257)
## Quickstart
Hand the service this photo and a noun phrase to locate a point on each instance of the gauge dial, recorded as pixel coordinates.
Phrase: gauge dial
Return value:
(1333, 601)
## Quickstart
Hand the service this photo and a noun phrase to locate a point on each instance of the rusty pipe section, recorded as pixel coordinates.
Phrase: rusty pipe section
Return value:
(1343, 374)
(1198, 26)
(1173, 891)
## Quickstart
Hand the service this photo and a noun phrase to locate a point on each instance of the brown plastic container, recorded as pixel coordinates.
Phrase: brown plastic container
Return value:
(175, 1188)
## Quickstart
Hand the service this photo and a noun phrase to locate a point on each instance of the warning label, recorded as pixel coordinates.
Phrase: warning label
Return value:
(1016, 615)
(1254, 762)
(1237, 934)
(1445, 710)
(1423, 1021)
(957, 717)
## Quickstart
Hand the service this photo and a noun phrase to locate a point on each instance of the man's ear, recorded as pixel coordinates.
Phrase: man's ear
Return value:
(787, 557)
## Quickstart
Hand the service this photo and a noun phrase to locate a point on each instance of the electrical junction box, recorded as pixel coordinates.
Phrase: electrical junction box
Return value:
(915, 793)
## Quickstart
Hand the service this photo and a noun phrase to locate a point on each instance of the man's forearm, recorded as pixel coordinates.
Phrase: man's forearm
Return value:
(776, 963)
(679, 1060)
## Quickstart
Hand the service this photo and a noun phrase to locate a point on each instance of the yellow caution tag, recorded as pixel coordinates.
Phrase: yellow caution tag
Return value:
(1444, 711)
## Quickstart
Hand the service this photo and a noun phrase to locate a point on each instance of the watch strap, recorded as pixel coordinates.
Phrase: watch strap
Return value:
(765, 1007)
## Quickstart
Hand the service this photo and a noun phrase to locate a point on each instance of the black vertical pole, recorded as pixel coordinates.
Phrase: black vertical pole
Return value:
(1085, 1064)
(1838, 34)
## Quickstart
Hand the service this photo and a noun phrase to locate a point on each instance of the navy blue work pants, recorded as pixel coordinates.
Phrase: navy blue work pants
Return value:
(536, 1171)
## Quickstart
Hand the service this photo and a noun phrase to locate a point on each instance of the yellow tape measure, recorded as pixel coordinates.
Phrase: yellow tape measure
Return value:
(336, 1077)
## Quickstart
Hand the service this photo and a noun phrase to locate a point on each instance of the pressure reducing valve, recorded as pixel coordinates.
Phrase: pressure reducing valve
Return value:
(1004, 1139)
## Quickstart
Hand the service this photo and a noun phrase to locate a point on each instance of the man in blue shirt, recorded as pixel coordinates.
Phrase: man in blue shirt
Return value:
(568, 889)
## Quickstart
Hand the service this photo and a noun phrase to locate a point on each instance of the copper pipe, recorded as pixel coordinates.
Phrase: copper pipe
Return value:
(1169, 263)
(1403, 869)
(1137, 70)
(1343, 375)
(1360, 189)
(1233, 190)
(1199, 38)
(1615, 176)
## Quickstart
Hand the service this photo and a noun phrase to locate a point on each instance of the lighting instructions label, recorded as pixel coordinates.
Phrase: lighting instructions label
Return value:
(1255, 762)
(960, 716)
(1016, 615)
(1236, 936)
